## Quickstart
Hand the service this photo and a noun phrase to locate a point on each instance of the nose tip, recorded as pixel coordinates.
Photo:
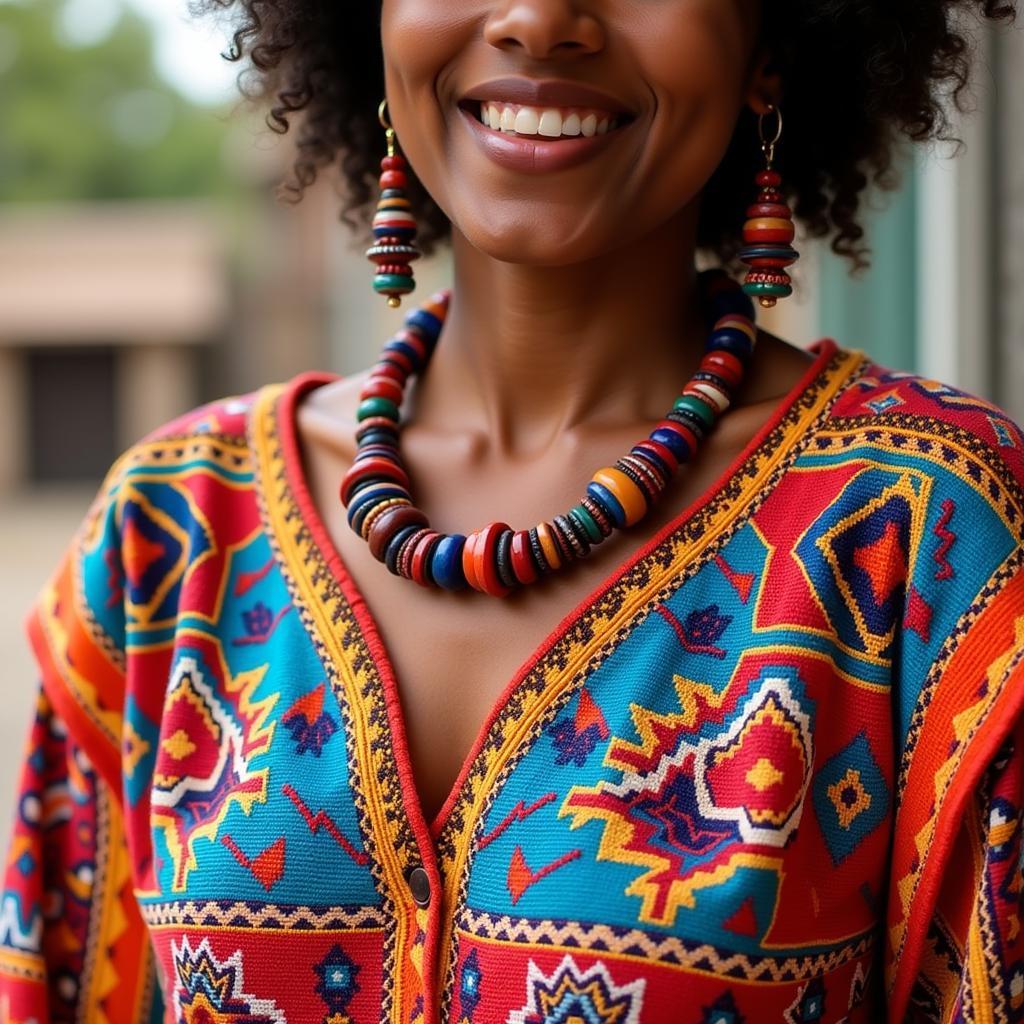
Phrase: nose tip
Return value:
(544, 28)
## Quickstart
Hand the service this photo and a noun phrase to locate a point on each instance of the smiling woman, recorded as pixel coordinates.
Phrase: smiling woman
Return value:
(742, 741)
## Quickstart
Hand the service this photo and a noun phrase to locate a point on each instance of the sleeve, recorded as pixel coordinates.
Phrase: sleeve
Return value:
(972, 964)
(952, 944)
(73, 945)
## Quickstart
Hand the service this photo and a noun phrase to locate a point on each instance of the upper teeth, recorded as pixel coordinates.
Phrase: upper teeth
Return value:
(547, 121)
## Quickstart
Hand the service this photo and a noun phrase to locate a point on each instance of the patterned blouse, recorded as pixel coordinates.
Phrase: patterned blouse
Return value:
(770, 770)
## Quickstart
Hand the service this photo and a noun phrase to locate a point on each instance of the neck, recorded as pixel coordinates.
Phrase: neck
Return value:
(529, 353)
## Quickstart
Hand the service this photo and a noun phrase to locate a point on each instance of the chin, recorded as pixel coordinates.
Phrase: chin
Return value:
(536, 239)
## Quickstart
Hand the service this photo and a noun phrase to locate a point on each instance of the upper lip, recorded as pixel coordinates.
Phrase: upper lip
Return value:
(548, 92)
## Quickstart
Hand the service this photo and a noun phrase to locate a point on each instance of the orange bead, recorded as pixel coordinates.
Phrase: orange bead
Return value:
(548, 545)
(626, 492)
(468, 562)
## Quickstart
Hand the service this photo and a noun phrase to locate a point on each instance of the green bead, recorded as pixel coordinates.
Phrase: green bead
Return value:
(393, 284)
(377, 407)
(779, 291)
(697, 407)
(586, 520)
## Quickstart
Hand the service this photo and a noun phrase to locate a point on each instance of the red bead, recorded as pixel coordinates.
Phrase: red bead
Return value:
(769, 210)
(393, 179)
(414, 341)
(523, 565)
(382, 369)
(371, 467)
(683, 431)
(725, 364)
(382, 387)
(402, 359)
(662, 451)
(485, 563)
(388, 523)
(768, 179)
(418, 565)
(395, 162)
(469, 562)
(408, 550)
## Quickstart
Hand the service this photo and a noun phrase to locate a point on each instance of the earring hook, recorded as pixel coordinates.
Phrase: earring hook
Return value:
(389, 132)
(768, 145)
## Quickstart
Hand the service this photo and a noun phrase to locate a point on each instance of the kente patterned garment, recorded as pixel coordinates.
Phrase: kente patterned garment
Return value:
(771, 770)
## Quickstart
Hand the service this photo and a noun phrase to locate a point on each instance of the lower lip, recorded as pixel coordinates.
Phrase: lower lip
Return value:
(533, 155)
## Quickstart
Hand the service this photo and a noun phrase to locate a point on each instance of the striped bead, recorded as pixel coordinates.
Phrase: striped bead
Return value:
(422, 558)
(384, 527)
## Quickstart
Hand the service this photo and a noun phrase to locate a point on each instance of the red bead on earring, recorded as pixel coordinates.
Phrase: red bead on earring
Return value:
(394, 226)
(769, 229)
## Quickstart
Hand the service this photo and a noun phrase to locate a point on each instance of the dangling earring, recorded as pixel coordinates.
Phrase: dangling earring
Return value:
(394, 226)
(769, 229)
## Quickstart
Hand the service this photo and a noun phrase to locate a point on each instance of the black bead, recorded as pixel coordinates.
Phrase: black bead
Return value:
(689, 419)
(394, 547)
(565, 548)
(375, 436)
(639, 479)
(538, 552)
(503, 559)
(572, 537)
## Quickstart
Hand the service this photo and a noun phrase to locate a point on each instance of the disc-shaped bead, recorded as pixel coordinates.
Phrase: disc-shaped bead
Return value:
(485, 562)
(670, 435)
(548, 545)
(469, 560)
(382, 387)
(698, 406)
(377, 407)
(710, 393)
(361, 501)
(422, 558)
(395, 544)
(503, 559)
(586, 520)
(725, 364)
(523, 564)
(393, 284)
(373, 468)
(393, 179)
(662, 455)
(566, 551)
(446, 562)
(628, 495)
(388, 523)
(607, 500)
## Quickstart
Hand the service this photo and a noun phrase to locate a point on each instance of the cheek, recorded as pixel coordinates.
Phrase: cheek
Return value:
(698, 72)
(422, 40)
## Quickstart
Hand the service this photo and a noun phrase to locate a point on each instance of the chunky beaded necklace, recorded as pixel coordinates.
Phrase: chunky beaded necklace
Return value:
(495, 559)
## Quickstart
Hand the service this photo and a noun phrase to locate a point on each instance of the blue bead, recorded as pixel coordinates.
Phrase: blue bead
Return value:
(365, 497)
(390, 231)
(397, 345)
(731, 339)
(395, 545)
(673, 442)
(608, 501)
(426, 322)
(446, 564)
(655, 460)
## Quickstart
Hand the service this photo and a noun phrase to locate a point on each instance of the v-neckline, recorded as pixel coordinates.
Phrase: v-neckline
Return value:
(292, 478)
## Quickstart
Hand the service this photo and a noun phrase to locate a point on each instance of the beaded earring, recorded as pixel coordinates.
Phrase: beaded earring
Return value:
(769, 229)
(394, 226)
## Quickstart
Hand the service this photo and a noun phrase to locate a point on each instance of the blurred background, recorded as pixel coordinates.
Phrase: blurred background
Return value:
(146, 265)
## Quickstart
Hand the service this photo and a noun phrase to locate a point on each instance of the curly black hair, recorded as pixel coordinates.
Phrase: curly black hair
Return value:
(860, 77)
